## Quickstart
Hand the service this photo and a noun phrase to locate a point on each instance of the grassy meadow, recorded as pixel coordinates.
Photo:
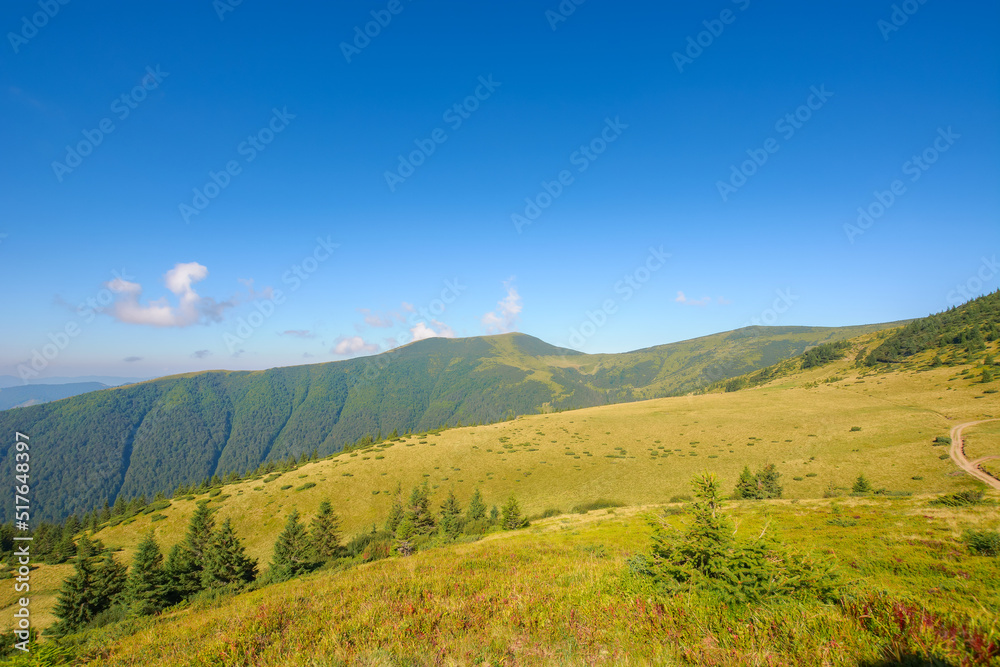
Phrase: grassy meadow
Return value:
(822, 427)
(560, 592)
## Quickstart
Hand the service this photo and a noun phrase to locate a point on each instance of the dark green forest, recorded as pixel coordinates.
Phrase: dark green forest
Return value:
(968, 327)
(151, 437)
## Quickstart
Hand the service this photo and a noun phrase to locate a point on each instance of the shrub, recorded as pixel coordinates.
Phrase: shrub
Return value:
(960, 499)
(763, 485)
(843, 523)
(599, 504)
(942, 440)
(855, 428)
(982, 542)
(708, 558)
(286, 487)
(861, 485)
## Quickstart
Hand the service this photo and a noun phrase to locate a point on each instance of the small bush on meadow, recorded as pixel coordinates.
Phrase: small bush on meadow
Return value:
(599, 504)
(708, 558)
(861, 485)
(960, 498)
(982, 542)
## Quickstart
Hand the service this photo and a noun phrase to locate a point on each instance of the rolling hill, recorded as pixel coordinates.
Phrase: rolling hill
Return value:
(822, 425)
(153, 436)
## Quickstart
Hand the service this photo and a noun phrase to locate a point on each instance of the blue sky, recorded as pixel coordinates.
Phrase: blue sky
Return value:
(173, 163)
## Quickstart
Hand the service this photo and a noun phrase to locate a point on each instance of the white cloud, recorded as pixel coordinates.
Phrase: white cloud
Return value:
(298, 333)
(375, 320)
(353, 345)
(508, 310)
(440, 330)
(704, 301)
(191, 308)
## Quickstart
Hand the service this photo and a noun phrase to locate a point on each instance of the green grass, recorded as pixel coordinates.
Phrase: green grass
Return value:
(802, 427)
(560, 592)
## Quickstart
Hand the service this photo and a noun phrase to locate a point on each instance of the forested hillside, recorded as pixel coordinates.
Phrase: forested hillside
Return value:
(151, 437)
(969, 326)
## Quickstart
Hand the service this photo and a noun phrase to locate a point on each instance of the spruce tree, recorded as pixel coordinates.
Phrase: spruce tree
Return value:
(512, 519)
(767, 482)
(291, 551)
(494, 516)
(746, 487)
(77, 603)
(183, 574)
(226, 561)
(109, 582)
(66, 549)
(451, 515)
(146, 589)
(861, 485)
(324, 533)
(419, 510)
(404, 536)
(396, 511)
(477, 508)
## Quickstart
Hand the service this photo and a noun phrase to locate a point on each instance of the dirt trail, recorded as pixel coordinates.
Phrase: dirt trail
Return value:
(957, 452)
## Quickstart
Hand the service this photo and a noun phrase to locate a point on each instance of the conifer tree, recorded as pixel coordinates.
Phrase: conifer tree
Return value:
(324, 533)
(404, 536)
(396, 511)
(109, 582)
(746, 487)
(512, 519)
(291, 551)
(494, 516)
(200, 530)
(477, 508)
(77, 603)
(451, 515)
(182, 573)
(767, 482)
(419, 510)
(146, 589)
(226, 561)
(861, 485)
(66, 548)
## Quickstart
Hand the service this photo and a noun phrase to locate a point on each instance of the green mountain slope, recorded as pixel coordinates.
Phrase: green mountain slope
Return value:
(150, 437)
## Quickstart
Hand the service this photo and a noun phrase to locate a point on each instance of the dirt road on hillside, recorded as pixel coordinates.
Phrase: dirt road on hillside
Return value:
(957, 453)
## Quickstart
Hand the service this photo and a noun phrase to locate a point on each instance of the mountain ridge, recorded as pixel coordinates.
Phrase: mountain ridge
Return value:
(149, 437)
